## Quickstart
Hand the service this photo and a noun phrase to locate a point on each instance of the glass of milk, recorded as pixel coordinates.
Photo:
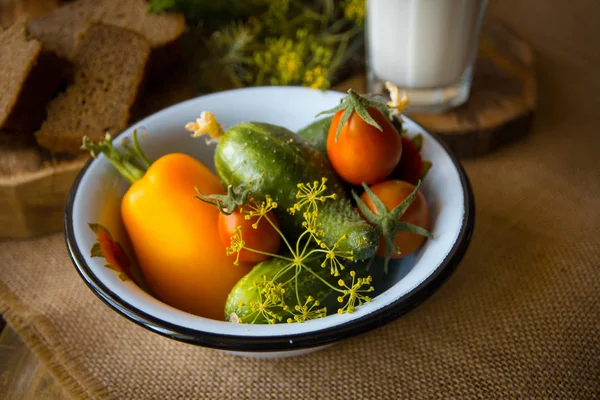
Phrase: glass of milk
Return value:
(426, 47)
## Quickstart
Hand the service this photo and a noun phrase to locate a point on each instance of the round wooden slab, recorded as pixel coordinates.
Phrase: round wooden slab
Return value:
(502, 101)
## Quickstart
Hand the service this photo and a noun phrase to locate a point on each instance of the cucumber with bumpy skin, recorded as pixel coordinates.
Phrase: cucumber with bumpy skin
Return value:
(251, 300)
(316, 133)
(278, 160)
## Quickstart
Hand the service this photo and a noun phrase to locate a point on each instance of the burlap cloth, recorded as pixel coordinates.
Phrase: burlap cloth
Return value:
(520, 318)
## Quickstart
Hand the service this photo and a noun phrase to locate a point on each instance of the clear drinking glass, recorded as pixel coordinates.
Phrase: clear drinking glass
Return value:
(425, 47)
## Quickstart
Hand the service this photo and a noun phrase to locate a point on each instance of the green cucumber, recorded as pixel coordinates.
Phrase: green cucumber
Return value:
(316, 133)
(278, 160)
(244, 293)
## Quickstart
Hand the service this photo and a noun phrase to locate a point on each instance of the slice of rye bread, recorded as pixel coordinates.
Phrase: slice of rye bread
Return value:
(29, 78)
(62, 29)
(108, 75)
(13, 10)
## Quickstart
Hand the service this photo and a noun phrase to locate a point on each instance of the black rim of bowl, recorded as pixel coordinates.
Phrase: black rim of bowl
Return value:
(291, 342)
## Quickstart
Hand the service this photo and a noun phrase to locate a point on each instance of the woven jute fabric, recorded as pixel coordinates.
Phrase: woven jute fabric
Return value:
(520, 318)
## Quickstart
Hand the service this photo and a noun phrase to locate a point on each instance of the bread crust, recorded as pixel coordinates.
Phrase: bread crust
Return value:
(109, 71)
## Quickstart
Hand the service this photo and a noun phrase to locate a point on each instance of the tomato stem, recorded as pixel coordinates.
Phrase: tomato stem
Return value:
(227, 203)
(387, 223)
(354, 102)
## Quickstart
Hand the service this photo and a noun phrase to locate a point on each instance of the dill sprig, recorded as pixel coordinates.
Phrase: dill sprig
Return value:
(271, 304)
(274, 42)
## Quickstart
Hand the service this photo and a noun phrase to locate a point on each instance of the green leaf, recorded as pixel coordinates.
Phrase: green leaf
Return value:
(417, 141)
(343, 121)
(366, 211)
(379, 206)
(402, 207)
(113, 268)
(96, 251)
(364, 114)
(333, 110)
(384, 108)
(95, 227)
(157, 6)
(426, 166)
(406, 227)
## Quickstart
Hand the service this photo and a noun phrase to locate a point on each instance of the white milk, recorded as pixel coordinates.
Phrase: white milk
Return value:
(422, 43)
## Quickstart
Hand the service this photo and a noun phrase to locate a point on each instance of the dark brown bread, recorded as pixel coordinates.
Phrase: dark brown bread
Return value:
(13, 10)
(29, 77)
(62, 29)
(109, 72)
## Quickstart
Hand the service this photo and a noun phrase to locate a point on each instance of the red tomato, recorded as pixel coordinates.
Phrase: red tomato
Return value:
(264, 238)
(362, 152)
(411, 163)
(392, 193)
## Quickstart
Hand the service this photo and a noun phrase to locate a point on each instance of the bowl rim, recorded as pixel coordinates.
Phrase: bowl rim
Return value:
(319, 338)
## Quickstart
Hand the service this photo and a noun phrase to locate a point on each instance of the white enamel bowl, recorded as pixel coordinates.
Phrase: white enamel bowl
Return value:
(409, 283)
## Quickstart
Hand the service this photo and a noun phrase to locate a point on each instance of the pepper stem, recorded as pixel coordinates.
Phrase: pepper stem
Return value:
(126, 162)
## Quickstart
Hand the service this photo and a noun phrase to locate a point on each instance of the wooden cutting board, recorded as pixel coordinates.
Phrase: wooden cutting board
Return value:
(501, 106)
(32, 203)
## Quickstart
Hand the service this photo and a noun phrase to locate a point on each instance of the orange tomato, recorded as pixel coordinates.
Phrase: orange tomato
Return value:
(362, 153)
(264, 238)
(174, 236)
(392, 193)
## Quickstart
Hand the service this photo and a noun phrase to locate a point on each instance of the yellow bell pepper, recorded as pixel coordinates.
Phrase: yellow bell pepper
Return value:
(175, 237)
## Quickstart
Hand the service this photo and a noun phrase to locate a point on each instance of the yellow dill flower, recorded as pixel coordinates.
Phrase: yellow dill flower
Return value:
(260, 210)
(309, 194)
(312, 227)
(207, 124)
(289, 66)
(354, 292)
(236, 245)
(254, 25)
(307, 311)
(354, 10)
(332, 256)
(274, 291)
(316, 78)
(281, 61)
(321, 54)
(278, 7)
(267, 301)
(272, 302)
